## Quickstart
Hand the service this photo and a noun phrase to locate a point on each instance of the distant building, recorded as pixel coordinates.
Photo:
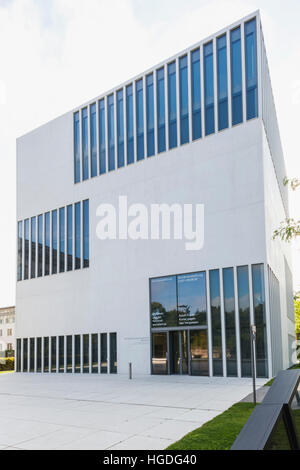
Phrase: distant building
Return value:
(7, 330)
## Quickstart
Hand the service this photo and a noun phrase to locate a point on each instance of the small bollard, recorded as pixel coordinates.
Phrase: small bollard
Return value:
(130, 370)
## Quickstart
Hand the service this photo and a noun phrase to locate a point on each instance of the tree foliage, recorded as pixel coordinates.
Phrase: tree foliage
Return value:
(290, 228)
(297, 316)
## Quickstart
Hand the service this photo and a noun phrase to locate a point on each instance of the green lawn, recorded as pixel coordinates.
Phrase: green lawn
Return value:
(268, 384)
(219, 433)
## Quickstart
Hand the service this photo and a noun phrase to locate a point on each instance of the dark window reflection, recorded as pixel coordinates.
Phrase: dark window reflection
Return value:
(46, 354)
(47, 244)
(215, 307)
(164, 302)
(39, 354)
(103, 353)
(53, 354)
(229, 307)
(113, 353)
(77, 354)
(260, 319)
(33, 246)
(31, 366)
(159, 353)
(40, 245)
(86, 354)
(95, 354)
(20, 239)
(26, 249)
(199, 353)
(61, 354)
(18, 367)
(69, 354)
(244, 313)
(25, 355)
(192, 299)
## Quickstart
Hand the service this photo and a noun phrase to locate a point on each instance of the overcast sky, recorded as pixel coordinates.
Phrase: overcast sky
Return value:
(57, 54)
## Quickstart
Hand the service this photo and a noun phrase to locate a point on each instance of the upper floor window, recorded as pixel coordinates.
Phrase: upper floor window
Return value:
(26, 249)
(251, 69)
(184, 100)
(129, 124)
(140, 119)
(196, 95)
(76, 148)
(222, 82)
(93, 134)
(20, 250)
(172, 102)
(209, 89)
(85, 144)
(102, 137)
(236, 76)
(150, 115)
(161, 117)
(120, 128)
(111, 132)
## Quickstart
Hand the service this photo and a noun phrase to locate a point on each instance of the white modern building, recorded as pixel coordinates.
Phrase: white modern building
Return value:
(199, 128)
(7, 331)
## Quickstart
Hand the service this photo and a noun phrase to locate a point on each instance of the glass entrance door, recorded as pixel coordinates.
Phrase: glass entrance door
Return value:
(199, 352)
(159, 353)
(179, 352)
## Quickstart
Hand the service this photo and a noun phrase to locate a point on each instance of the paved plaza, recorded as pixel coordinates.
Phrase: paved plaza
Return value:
(87, 412)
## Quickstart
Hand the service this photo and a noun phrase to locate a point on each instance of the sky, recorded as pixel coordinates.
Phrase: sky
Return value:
(57, 54)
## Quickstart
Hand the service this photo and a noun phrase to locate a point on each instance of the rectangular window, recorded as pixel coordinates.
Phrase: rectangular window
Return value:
(199, 352)
(244, 315)
(26, 249)
(222, 82)
(140, 120)
(61, 354)
(40, 245)
(25, 355)
(229, 307)
(69, 354)
(209, 89)
(251, 69)
(54, 242)
(216, 324)
(77, 354)
(31, 361)
(161, 113)
(77, 235)
(113, 353)
(111, 132)
(33, 246)
(93, 133)
(103, 353)
(95, 354)
(129, 124)
(18, 364)
(85, 144)
(191, 294)
(39, 355)
(120, 128)
(53, 354)
(172, 101)
(47, 244)
(150, 115)
(196, 95)
(236, 76)
(86, 354)
(164, 302)
(76, 148)
(184, 100)
(46, 354)
(86, 234)
(260, 320)
(69, 238)
(62, 247)
(20, 250)
(102, 137)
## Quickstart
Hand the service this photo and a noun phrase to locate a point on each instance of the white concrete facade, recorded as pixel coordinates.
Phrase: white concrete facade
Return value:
(233, 173)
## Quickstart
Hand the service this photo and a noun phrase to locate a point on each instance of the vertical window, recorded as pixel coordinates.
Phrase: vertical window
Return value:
(229, 307)
(196, 95)
(33, 246)
(86, 234)
(102, 137)
(70, 238)
(26, 249)
(191, 299)
(251, 69)
(85, 144)
(25, 355)
(111, 132)
(222, 82)
(62, 240)
(150, 115)
(216, 324)
(54, 242)
(86, 354)
(244, 315)
(113, 353)
(95, 354)
(161, 116)
(47, 244)
(140, 119)
(172, 102)
(93, 132)
(236, 76)
(69, 354)
(77, 236)
(46, 354)
(61, 354)
(184, 100)
(260, 319)
(120, 128)
(103, 353)
(209, 89)
(53, 354)
(39, 354)
(31, 355)
(129, 124)
(40, 245)
(77, 354)
(20, 250)
(18, 362)
(76, 148)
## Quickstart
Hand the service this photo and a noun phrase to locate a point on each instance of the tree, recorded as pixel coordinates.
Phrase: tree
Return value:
(290, 228)
(297, 316)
